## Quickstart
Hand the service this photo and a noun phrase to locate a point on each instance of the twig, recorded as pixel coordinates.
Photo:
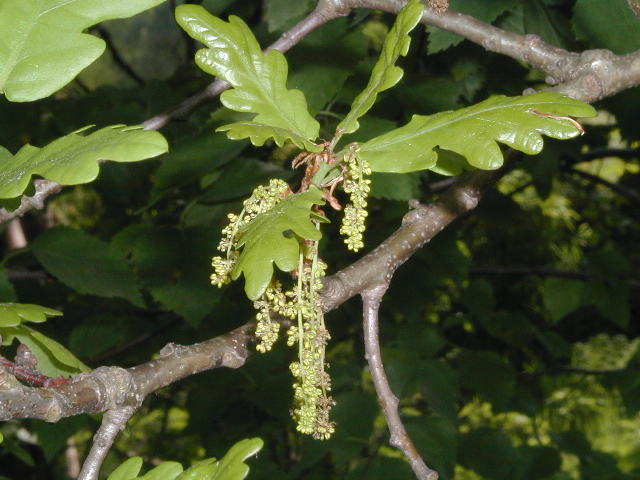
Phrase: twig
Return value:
(109, 388)
(399, 437)
(113, 422)
(44, 188)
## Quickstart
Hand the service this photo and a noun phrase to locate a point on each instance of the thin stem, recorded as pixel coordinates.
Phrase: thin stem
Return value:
(399, 437)
(300, 320)
(113, 422)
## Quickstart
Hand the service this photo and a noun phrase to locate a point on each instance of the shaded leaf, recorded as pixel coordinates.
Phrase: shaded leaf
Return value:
(259, 80)
(280, 13)
(394, 186)
(73, 159)
(13, 314)
(508, 120)
(193, 157)
(610, 24)
(7, 292)
(475, 368)
(561, 296)
(238, 180)
(43, 47)
(174, 265)
(264, 242)
(489, 453)
(86, 264)
(385, 73)
(437, 440)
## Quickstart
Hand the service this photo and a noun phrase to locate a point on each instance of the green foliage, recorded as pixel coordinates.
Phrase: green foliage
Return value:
(259, 80)
(53, 358)
(13, 314)
(385, 73)
(86, 264)
(274, 238)
(229, 467)
(479, 345)
(178, 282)
(43, 44)
(512, 121)
(619, 33)
(73, 159)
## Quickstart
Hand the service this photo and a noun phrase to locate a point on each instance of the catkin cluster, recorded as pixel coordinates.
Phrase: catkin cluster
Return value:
(358, 187)
(261, 200)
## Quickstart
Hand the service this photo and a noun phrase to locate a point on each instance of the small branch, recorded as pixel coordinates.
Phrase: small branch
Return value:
(399, 437)
(325, 11)
(109, 388)
(113, 422)
(44, 188)
(118, 58)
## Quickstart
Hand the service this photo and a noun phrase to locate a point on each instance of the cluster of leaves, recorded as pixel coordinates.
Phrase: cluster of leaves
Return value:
(476, 356)
(229, 467)
(273, 228)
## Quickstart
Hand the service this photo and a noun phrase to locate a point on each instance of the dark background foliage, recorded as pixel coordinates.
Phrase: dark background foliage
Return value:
(511, 339)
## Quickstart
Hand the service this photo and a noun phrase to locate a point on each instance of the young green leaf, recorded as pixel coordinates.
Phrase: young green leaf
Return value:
(128, 470)
(164, 471)
(259, 80)
(385, 73)
(53, 359)
(474, 131)
(43, 47)
(73, 159)
(232, 466)
(274, 237)
(13, 314)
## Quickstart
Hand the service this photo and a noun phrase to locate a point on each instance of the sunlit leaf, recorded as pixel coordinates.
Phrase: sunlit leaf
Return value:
(13, 314)
(42, 46)
(164, 471)
(53, 359)
(232, 466)
(259, 133)
(265, 241)
(259, 80)
(474, 131)
(128, 470)
(73, 159)
(385, 73)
